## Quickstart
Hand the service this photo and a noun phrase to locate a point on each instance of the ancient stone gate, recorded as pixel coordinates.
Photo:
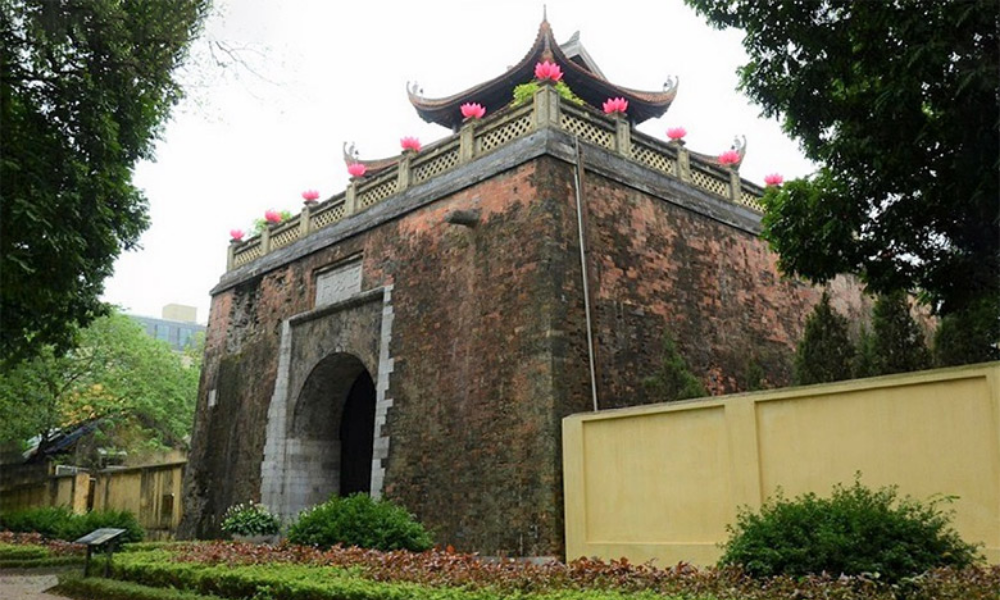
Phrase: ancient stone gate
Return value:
(421, 335)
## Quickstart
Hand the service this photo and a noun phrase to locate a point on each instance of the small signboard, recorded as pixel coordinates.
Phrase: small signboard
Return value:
(99, 537)
(104, 538)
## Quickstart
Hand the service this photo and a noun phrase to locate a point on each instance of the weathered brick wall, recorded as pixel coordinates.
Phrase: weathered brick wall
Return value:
(661, 269)
(489, 343)
(480, 341)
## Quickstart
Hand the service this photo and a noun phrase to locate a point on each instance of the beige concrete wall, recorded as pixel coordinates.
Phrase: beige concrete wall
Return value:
(152, 493)
(662, 482)
(69, 491)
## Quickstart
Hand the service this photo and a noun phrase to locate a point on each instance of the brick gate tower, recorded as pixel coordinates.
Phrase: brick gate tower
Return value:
(421, 335)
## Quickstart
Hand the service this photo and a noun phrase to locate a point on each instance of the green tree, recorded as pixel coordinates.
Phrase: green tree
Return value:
(898, 102)
(825, 352)
(137, 386)
(673, 380)
(85, 86)
(969, 336)
(898, 343)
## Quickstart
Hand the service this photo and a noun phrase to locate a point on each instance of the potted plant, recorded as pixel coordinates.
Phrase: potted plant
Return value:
(251, 522)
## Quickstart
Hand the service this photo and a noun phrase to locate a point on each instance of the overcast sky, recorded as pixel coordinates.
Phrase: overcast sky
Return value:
(316, 73)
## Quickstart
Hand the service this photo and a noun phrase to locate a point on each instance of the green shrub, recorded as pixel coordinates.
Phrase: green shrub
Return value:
(357, 520)
(898, 341)
(969, 336)
(825, 352)
(50, 521)
(673, 380)
(250, 519)
(25, 552)
(109, 589)
(81, 525)
(857, 530)
(61, 524)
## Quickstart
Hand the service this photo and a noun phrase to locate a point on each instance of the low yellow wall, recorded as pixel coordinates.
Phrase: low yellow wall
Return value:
(152, 493)
(662, 482)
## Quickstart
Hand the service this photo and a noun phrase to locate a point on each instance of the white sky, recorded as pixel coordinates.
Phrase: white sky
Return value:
(326, 72)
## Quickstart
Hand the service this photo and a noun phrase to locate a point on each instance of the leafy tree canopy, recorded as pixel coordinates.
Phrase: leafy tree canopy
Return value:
(84, 87)
(142, 391)
(898, 101)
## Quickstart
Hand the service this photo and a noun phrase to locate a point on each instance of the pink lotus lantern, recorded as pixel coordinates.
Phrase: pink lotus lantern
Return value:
(729, 157)
(310, 195)
(774, 179)
(236, 234)
(357, 169)
(548, 71)
(676, 133)
(615, 106)
(472, 110)
(272, 216)
(410, 143)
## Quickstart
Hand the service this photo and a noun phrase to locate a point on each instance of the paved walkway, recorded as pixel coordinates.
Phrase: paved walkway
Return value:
(21, 586)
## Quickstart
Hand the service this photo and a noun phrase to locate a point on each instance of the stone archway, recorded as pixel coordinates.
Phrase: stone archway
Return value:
(332, 433)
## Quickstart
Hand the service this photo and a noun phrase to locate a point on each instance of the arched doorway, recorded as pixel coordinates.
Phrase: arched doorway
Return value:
(332, 433)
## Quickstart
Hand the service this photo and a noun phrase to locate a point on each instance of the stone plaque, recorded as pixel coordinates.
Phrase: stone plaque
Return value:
(338, 284)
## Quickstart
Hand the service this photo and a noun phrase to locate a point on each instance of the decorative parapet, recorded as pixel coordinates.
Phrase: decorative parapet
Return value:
(480, 137)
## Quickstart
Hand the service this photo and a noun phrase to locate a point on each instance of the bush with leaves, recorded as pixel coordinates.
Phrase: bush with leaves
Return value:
(970, 336)
(250, 519)
(357, 520)
(855, 531)
(898, 342)
(825, 352)
(61, 524)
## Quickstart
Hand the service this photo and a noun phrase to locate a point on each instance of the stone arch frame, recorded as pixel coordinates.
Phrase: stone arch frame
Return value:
(360, 326)
(322, 406)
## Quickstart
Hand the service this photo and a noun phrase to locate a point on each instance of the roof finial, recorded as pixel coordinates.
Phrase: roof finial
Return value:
(545, 13)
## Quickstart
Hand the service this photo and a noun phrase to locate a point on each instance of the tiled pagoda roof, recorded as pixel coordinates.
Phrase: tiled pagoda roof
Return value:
(579, 72)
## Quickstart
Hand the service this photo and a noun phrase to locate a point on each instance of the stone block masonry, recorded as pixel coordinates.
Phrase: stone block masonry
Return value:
(475, 340)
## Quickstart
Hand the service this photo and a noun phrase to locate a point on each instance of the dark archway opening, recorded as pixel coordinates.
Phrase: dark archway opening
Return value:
(333, 432)
(357, 431)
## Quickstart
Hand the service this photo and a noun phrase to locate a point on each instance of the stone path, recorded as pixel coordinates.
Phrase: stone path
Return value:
(22, 586)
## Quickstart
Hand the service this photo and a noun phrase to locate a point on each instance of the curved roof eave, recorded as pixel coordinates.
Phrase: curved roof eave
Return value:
(497, 92)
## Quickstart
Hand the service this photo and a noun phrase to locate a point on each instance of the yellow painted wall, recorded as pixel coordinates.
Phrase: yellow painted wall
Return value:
(662, 482)
(152, 493)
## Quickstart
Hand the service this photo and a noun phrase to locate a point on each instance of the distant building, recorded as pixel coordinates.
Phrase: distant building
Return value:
(177, 326)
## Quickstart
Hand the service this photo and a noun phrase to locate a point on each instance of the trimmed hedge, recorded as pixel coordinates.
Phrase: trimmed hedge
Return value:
(110, 589)
(285, 572)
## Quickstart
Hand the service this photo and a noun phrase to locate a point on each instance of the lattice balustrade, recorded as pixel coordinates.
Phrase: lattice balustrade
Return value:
(587, 131)
(512, 130)
(328, 216)
(377, 192)
(652, 158)
(248, 253)
(751, 200)
(710, 183)
(434, 166)
(283, 237)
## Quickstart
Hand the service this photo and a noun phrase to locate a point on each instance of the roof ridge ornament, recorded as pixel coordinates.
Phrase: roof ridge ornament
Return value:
(740, 146)
(670, 85)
